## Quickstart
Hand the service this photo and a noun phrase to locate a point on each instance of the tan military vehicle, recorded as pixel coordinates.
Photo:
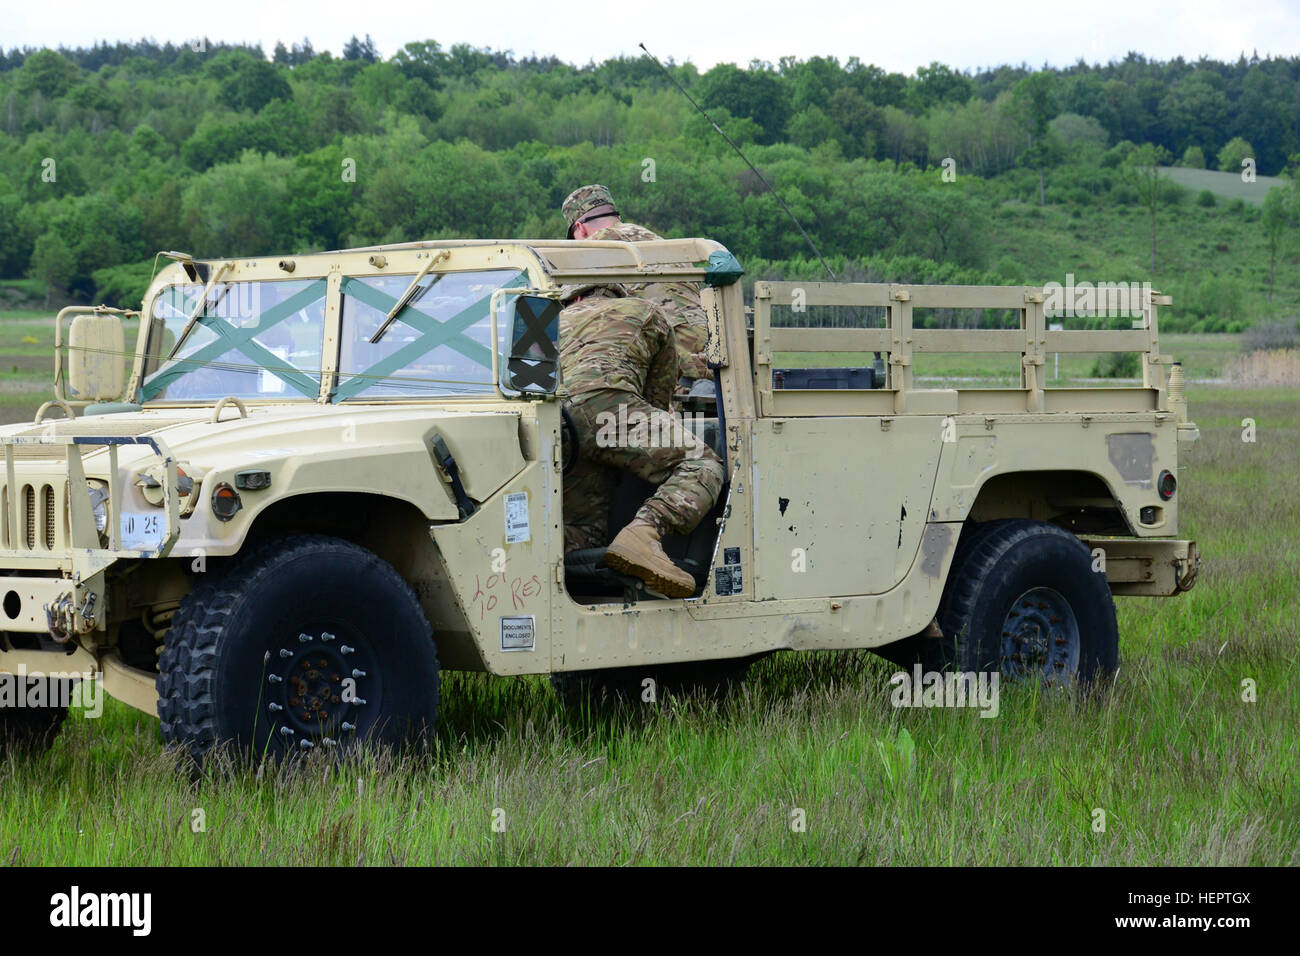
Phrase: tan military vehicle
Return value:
(315, 481)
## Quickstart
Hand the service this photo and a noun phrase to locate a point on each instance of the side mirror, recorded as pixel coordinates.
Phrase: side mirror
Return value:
(533, 365)
(96, 365)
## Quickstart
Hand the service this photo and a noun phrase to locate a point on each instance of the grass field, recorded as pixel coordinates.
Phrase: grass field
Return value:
(1222, 184)
(1185, 771)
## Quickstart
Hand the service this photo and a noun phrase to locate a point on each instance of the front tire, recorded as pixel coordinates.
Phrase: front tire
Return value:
(307, 642)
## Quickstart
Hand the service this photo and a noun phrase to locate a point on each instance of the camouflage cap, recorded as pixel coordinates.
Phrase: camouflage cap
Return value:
(583, 200)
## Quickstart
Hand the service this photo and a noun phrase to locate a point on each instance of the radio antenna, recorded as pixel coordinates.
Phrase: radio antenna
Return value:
(731, 143)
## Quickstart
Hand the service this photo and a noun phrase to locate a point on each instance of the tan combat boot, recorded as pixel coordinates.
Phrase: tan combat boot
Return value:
(637, 551)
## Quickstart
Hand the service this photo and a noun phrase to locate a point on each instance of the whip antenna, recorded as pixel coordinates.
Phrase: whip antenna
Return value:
(731, 143)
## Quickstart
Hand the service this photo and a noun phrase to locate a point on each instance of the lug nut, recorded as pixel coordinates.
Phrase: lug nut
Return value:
(344, 649)
(275, 708)
(287, 731)
(359, 701)
(358, 673)
(304, 638)
(347, 726)
(285, 652)
(275, 678)
(327, 741)
(306, 744)
(326, 636)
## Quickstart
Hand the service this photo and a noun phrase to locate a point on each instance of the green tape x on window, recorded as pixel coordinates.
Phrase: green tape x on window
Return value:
(253, 340)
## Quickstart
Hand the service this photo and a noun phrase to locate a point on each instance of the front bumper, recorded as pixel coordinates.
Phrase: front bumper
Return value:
(52, 559)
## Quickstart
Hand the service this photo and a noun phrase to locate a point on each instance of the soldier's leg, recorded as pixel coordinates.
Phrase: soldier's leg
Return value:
(656, 446)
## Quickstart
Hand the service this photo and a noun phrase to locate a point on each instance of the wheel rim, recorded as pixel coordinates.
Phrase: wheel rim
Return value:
(1040, 636)
(322, 687)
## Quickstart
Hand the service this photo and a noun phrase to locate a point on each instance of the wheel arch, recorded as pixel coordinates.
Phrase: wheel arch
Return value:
(396, 531)
(1075, 499)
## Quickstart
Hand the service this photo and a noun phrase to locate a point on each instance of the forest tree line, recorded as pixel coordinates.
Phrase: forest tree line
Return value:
(110, 153)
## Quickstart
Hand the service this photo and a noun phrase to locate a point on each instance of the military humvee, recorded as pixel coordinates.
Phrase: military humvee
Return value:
(314, 481)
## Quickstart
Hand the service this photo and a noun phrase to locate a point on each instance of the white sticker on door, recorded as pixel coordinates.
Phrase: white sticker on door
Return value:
(517, 518)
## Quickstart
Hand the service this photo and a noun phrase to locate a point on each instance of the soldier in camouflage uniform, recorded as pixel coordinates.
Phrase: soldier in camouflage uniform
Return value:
(619, 366)
(591, 214)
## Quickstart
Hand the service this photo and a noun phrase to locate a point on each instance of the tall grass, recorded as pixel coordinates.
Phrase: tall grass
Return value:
(1265, 367)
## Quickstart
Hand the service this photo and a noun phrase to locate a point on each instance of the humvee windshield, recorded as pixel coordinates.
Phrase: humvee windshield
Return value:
(265, 339)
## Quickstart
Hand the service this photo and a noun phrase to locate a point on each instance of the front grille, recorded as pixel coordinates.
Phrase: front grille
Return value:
(42, 517)
(29, 509)
(48, 494)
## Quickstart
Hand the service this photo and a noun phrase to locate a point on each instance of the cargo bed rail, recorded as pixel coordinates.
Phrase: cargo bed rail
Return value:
(901, 340)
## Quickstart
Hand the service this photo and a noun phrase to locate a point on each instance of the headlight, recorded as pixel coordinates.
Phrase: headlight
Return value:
(187, 477)
(99, 505)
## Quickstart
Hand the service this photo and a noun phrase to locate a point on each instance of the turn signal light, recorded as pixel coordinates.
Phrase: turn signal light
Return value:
(225, 501)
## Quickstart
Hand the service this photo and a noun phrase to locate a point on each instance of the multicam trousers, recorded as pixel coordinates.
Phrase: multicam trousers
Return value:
(619, 431)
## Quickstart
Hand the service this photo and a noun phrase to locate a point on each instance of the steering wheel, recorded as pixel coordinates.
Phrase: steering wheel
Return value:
(568, 441)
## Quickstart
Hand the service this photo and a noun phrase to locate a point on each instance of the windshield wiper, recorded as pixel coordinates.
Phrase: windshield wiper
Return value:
(194, 316)
(405, 298)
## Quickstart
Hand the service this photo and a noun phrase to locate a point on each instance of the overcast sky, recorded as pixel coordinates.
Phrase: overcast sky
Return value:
(896, 35)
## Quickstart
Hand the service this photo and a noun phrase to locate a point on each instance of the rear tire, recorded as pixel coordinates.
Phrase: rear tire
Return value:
(1022, 599)
(307, 642)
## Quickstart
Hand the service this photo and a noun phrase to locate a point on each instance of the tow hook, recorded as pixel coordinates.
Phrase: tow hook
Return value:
(61, 616)
(1185, 571)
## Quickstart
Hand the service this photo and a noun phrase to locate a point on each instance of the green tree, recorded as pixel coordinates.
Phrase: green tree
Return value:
(1232, 154)
(52, 264)
(937, 83)
(812, 126)
(1275, 218)
(241, 208)
(47, 73)
(1142, 170)
(1194, 157)
(757, 93)
(253, 84)
(1195, 111)
(1034, 101)
(363, 50)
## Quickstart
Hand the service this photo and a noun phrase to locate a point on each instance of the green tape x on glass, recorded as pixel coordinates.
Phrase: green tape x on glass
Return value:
(439, 344)
(253, 340)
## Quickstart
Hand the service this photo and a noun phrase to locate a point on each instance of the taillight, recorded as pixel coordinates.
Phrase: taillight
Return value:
(1166, 485)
